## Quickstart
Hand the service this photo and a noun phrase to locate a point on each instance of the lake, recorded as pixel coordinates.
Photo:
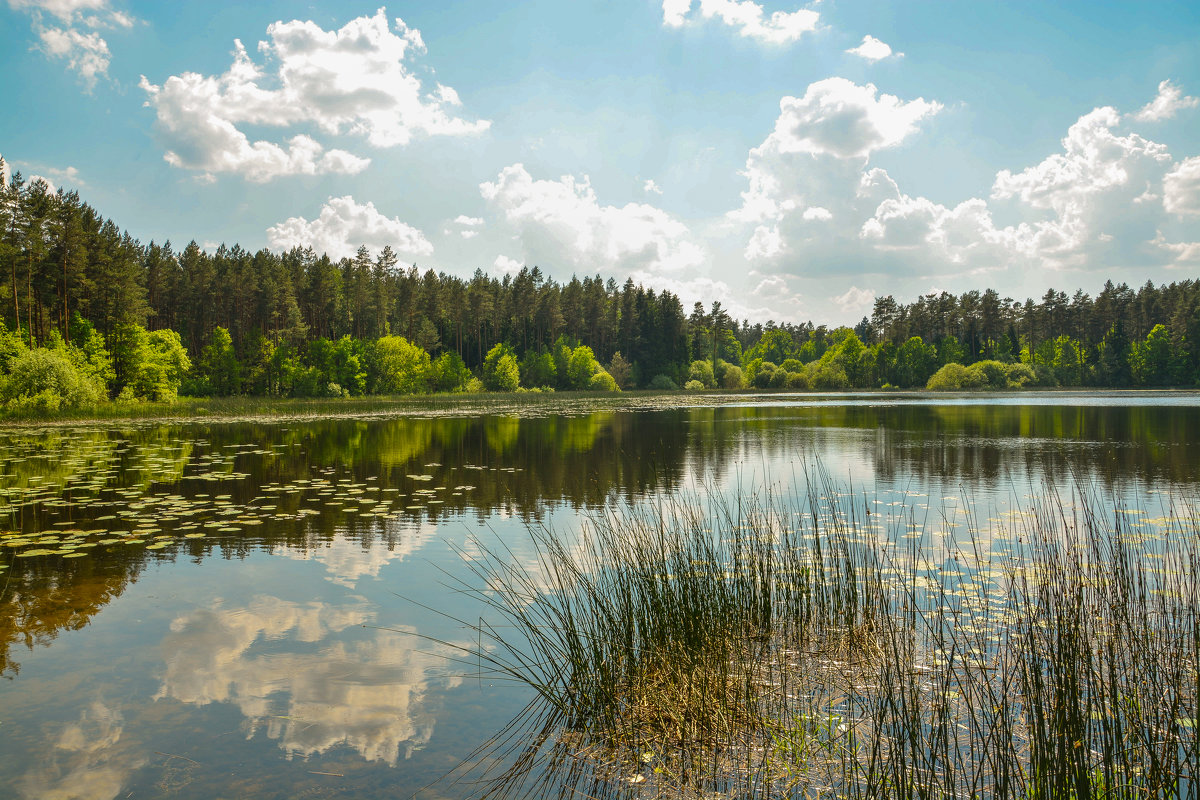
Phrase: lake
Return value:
(267, 609)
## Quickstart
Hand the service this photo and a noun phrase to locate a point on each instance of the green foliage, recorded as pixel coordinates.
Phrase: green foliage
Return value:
(1150, 361)
(954, 377)
(603, 382)
(950, 351)
(450, 374)
(764, 374)
(42, 380)
(915, 362)
(702, 371)
(149, 365)
(501, 373)
(733, 378)
(694, 386)
(218, 370)
(826, 376)
(538, 369)
(581, 367)
(621, 370)
(401, 367)
(776, 346)
(662, 383)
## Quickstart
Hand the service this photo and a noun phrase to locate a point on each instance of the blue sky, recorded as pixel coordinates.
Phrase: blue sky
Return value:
(793, 161)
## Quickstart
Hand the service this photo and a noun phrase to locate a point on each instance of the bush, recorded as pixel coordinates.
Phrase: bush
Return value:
(1020, 375)
(603, 382)
(733, 378)
(662, 383)
(762, 377)
(792, 364)
(828, 377)
(46, 380)
(693, 386)
(702, 372)
(953, 377)
(796, 380)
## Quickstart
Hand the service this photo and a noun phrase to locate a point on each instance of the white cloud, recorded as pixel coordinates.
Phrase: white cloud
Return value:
(86, 53)
(468, 227)
(343, 226)
(748, 17)
(69, 175)
(561, 224)
(650, 187)
(838, 117)
(813, 208)
(873, 50)
(356, 80)
(1181, 187)
(507, 266)
(1169, 102)
(675, 12)
(855, 301)
(1182, 254)
(1091, 188)
(65, 10)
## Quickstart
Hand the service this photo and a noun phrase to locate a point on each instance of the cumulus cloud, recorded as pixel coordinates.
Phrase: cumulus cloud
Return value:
(1089, 190)
(841, 118)
(507, 266)
(748, 17)
(873, 50)
(561, 222)
(86, 53)
(343, 226)
(813, 206)
(357, 80)
(1169, 102)
(650, 187)
(1181, 188)
(855, 301)
(65, 10)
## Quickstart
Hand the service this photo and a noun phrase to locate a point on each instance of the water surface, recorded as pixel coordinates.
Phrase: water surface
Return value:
(253, 609)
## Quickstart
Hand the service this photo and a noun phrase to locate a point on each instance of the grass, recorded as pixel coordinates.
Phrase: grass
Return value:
(803, 643)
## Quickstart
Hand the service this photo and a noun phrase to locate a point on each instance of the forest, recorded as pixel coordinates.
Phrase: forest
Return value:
(89, 314)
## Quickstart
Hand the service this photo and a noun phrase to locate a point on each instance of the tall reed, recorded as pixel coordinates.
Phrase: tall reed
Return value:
(802, 643)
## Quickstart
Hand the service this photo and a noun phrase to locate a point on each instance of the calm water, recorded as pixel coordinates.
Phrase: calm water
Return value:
(239, 610)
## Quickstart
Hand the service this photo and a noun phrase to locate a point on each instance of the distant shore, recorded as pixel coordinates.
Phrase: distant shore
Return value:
(264, 409)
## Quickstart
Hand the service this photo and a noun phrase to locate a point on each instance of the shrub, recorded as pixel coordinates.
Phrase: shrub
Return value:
(828, 377)
(694, 386)
(1019, 375)
(762, 378)
(46, 380)
(733, 378)
(702, 372)
(951, 377)
(792, 364)
(603, 382)
(797, 380)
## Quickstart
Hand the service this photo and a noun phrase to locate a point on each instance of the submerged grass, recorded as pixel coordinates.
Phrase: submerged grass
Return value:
(810, 643)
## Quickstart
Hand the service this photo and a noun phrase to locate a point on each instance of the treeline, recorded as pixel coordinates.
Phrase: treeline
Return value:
(302, 324)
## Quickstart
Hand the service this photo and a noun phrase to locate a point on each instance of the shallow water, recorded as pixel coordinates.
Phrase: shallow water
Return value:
(255, 609)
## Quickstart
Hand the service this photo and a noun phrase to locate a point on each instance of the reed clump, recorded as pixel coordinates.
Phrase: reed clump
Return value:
(807, 643)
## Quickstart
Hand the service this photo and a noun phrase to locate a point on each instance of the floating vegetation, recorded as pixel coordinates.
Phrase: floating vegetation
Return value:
(801, 644)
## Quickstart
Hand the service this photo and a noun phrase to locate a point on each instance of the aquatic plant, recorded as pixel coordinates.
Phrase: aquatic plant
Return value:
(813, 642)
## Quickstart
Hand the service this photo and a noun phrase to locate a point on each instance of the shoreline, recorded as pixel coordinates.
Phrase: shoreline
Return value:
(191, 410)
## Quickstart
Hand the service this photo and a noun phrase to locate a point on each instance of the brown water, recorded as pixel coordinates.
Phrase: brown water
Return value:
(245, 610)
